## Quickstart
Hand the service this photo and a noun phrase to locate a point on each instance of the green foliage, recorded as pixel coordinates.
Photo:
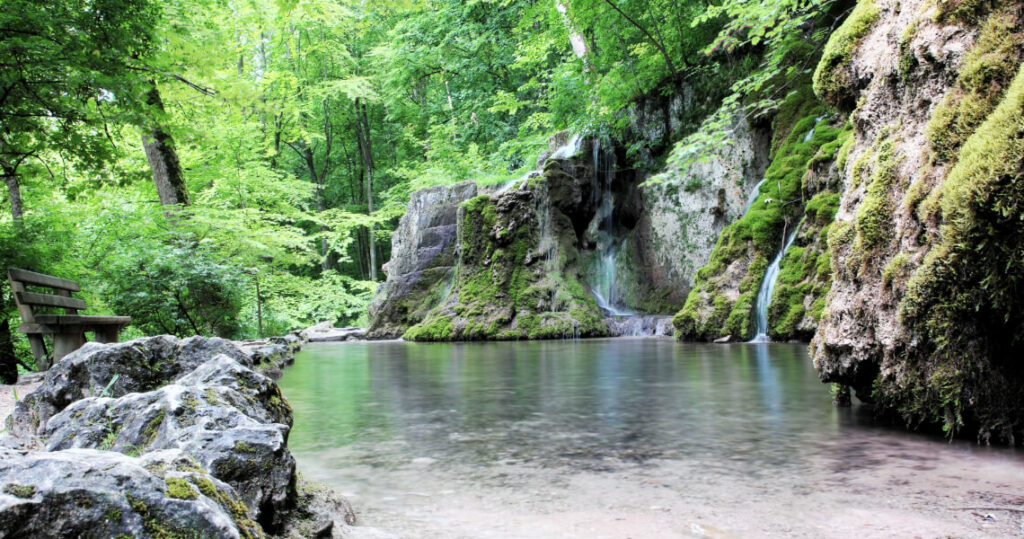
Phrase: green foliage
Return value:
(832, 79)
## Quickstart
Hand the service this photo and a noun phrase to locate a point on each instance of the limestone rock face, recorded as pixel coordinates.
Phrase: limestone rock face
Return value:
(105, 494)
(518, 274)
(139, 365)
(685, 212)
(423, 255)
(195, 409)
(230, 419)
(924, 307)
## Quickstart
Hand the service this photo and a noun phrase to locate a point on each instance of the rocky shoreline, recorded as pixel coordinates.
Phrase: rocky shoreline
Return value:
(162, 437)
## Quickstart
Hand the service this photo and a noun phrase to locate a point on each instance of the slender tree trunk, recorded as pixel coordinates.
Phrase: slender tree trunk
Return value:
(13, 189)
(14, 194)
(8, 360)
(366, 149)
(163, 159)
(259, 306)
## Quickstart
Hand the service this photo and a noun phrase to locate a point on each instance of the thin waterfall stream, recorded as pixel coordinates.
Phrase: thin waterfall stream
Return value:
(604, 285)
(764, 294)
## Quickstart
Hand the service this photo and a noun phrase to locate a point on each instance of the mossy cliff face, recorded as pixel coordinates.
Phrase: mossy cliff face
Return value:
(422, 264)
(925, 315)
(797, 182)
(685, 211)
(518, 273)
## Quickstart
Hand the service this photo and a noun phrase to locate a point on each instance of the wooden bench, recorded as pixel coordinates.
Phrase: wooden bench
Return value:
(68, 329)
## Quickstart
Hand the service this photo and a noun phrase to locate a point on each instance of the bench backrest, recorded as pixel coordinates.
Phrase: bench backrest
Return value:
(27, 301)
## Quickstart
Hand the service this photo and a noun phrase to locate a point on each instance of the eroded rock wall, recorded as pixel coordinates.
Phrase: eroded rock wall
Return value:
(799, 183)
(423, 257)
(685, 210)
(924, 315)
(518, 274)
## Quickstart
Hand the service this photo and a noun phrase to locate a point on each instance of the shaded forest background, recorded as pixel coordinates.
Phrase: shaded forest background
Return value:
(236, 168)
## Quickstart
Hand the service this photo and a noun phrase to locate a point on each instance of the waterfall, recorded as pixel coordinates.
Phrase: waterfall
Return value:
(569, 149)
(764, 294)
(810, 134)
(753, 195)
(604, 285)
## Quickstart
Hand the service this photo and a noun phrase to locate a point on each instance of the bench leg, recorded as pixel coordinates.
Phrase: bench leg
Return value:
(65, 343)
(39, 351)
(107, 335)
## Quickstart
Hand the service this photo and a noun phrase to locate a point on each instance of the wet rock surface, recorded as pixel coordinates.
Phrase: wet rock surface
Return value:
(186, 433)
(640, 326)
(326, 332)
(107, 494)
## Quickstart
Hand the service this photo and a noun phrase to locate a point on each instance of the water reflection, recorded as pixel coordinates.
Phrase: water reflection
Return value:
(523, 439)
(574, 404)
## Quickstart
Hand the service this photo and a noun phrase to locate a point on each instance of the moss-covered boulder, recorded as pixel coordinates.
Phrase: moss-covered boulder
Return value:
(423, 256)
(518, 273)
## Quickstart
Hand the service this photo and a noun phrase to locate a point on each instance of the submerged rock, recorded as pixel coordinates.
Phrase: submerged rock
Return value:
(640, 326)
(326, 332)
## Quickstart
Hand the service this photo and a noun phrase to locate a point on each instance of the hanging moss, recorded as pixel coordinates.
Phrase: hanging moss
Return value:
(805, 274)
(984, 76)
(874, 217)
(966, 300)
(962, 11)
(833, 82)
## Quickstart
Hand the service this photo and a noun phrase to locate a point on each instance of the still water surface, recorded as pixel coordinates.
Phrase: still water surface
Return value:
(624, 438)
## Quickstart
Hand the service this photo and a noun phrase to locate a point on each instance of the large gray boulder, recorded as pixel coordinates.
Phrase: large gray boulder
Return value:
(139, 365)
(231, 420)
(194, 406)
(84, 492)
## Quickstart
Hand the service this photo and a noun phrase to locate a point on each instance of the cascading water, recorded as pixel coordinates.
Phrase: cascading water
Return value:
(810, 134)
(764, 294)
(753, 195)
(604, 280)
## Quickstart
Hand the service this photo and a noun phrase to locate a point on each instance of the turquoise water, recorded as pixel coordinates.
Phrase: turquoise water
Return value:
(444, 440)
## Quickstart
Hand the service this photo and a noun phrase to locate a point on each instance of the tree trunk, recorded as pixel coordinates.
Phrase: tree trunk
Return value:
(14, 194)
(8, 361)
(163, 159)
(13, 190)
(366, 150)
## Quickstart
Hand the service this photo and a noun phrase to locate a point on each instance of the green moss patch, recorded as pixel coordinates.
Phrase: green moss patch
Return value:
(833, 81)
(179, 488)
(984, 76)
(966, 299)
(20, 491)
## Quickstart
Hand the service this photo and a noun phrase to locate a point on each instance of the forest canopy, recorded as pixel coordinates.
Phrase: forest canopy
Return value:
(236, 168)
